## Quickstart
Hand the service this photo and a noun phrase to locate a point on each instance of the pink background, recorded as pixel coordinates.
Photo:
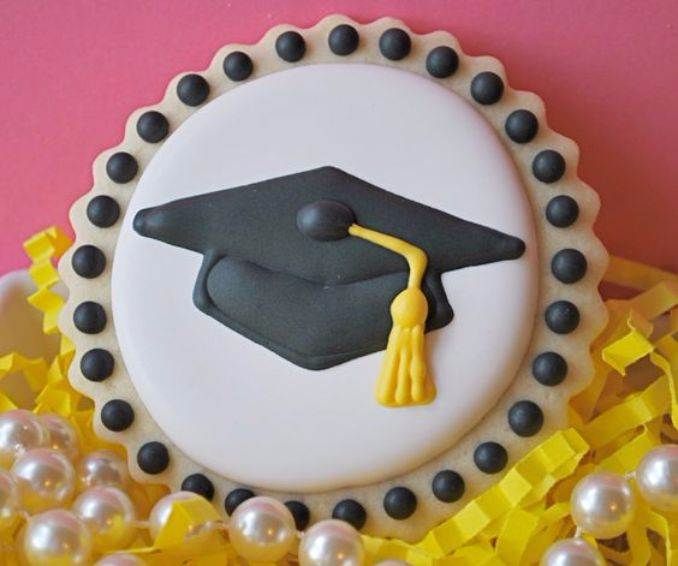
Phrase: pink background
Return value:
(72, 71)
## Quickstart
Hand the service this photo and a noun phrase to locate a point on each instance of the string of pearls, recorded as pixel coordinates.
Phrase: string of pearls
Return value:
(603, 505)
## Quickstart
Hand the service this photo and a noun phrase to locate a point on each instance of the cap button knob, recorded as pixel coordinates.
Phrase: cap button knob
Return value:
(325, 220)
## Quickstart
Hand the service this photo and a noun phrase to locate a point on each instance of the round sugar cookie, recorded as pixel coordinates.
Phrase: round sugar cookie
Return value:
(347, 267)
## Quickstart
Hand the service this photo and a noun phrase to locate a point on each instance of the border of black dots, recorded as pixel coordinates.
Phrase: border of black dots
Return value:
(568, 266)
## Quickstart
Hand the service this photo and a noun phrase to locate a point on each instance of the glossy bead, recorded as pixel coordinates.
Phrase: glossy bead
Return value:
(109, 515)
(102, 467)
(262, 529)
(603, 505)
(62, 435)
(120, 559)
(9, 500)
(122, 167)
(572, 552)
(657, 478)
(331, 543)
(56, 538)
(20, 430)
(46, 479)
(162, 509)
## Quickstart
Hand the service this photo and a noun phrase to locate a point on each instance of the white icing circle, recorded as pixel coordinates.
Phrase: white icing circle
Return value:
(246, 413)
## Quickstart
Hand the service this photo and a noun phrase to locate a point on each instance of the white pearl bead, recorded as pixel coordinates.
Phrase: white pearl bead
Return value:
(121, 559)
(62, 435)
(162, 509)
(572, 552)
(102, 467)
(262, 529)
(331, 543)
(109, 515)
(20, 430)
(657, 478)
(603, 504)
(46, 479)
(9, 500)
(56, 538)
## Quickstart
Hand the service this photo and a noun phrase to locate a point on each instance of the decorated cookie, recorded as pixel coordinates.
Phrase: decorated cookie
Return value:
(347, 267)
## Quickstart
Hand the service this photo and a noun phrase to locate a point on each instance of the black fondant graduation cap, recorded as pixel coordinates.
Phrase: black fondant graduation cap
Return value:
(283, 267)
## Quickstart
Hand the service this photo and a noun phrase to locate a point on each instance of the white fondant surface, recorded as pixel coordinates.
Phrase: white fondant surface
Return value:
(252, 416)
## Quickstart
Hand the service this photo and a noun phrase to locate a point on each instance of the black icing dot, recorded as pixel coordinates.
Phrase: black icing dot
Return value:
(301, 514)
(350, 511)
(325, 220)
(89, 317)
(525, 418)
(290, 46)
(548, 166)
(487, 87)
(103, 211)
(193, 90)
(236, 497)
(343, 40)
(400, 503)
(153, 457)
(88, 261)
(521, 126)
(442, 61)
(152, 126)
(568, 265)
(97, 364)
(562, 317)
(562, 211)
(200, 484)
(448, 486)
(549, 368)
(395, 44)
(490, 457)
(238, 66)
(121, 167)
(117, 415)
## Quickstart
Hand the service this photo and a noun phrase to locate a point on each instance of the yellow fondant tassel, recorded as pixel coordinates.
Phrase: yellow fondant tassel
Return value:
(404, 378)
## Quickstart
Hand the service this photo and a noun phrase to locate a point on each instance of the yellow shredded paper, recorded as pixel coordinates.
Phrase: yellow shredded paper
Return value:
(630, 406)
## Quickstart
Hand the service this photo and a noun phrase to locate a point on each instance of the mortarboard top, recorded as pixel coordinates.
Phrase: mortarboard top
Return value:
(293, 263)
